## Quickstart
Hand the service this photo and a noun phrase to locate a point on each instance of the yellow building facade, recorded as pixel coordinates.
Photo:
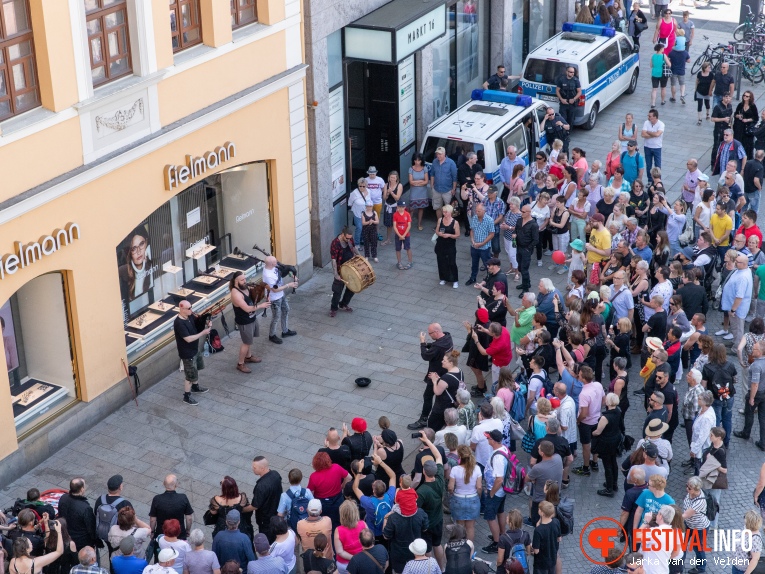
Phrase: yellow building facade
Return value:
(142, 143)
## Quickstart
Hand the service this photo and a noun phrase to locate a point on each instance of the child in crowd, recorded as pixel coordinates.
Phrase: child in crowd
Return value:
(557, 146)
(546, 540)
(578, 259)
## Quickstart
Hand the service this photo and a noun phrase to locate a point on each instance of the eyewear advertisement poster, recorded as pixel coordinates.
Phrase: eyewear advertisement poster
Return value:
(406, 112)
(337, 141)
(137, 269)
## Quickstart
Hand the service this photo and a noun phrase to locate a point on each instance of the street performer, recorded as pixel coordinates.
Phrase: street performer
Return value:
(272, 277)
(187, 341)
(245, 316)
(341, 249)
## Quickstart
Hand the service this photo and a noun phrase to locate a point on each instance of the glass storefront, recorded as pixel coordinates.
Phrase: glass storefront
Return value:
(188, 249)
(38, 350)
(460, 58)
(533, 23)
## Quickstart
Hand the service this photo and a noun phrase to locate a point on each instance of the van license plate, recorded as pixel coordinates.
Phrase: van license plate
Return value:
(548, 97)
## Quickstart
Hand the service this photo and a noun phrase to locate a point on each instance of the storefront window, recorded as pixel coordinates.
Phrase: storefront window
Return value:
(186, 250)
(38, 350)
(460, 57)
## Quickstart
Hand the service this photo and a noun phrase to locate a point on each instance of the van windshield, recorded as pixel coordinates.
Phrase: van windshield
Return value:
(544, 71)
(454, 149)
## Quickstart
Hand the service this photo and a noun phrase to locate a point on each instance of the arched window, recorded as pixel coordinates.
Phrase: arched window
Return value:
(108, 42)
(19, 90)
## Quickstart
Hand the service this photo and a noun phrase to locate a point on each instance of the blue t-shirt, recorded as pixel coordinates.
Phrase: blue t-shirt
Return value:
(128, 564)
(369, 503)
(677, 60)
(632, 165)
(285, 502)
(649, 503)
(645, 253)
(738, 285)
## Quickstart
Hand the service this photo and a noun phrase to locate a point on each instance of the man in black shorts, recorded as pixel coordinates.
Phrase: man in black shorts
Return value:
(245, 317)
(187, 341)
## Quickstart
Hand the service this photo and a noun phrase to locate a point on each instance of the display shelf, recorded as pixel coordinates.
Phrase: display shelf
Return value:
(24, 413)
(199, 252)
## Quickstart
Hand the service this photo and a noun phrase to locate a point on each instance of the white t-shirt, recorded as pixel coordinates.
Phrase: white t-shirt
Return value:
(566, 414)
(540, 213)
(483, 450)
(375, 188)
(497, 468)
(469, 489)
(536, 382)
(657, 127)
(461, 431)
(656, 556)
(271, 277)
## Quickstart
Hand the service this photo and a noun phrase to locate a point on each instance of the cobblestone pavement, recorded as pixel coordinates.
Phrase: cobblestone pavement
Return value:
(306, 385)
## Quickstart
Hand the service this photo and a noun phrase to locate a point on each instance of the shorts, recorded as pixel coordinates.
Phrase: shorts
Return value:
(572, 446)
(465, 507)
(248, 332)
(441, 199)
(675, 80)
(585, 432)
(493, 506)
(434, 534)
(190, 370)
(404, 242)
(655, 82)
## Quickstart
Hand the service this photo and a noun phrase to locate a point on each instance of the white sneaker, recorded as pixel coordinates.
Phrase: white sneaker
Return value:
(551, 267)
(728, 337)
(721, 332)
(442, 282)
(539, 263)
(547, 252)
(456, 285)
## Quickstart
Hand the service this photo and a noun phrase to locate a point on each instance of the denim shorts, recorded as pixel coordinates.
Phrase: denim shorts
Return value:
(492, 506)
(465, 508)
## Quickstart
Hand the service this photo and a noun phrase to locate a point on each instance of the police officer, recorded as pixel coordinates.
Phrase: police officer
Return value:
(568, 89)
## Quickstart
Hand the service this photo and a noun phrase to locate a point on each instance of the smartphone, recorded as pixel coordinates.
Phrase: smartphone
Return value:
(416, 435)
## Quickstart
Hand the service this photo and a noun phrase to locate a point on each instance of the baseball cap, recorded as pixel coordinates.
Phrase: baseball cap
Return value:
(167, 554)
(114, 482)
(494, 435)
(482, 315)
(703, 177)
(233, 516)
(401, 203)
(650, 449)
(261, 543)
(127, 545)
(314, 506)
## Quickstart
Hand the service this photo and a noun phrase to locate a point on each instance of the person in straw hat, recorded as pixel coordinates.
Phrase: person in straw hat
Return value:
(653, 433)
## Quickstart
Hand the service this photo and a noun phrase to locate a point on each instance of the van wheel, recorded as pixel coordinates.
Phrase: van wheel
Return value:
(592, 118)
(633, 82)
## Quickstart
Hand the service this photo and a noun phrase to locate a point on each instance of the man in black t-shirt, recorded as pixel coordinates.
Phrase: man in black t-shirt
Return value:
(339, 454)
(424, 455)
(265, 495)
(373, 558)
(187, 341)
(560, 444)
(722, 116)
(670, 403)
(168, 505)
(568, 89)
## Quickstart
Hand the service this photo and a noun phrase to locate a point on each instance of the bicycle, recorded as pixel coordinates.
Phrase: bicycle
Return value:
(749, 27)
(713, 55)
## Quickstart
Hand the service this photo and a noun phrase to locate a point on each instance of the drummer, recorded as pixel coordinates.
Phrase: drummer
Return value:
(341, 250)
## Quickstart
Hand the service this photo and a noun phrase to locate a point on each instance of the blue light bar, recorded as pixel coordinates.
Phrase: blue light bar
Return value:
(501, 97)
(606, 31)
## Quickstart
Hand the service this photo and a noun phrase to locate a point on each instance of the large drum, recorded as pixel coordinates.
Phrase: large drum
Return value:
(357, 274)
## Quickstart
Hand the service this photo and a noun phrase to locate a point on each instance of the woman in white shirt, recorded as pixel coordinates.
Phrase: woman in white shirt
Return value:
(541, 212)
(703, 214)
(129, 525)
(171, 529)
(284, 544)
(464, 488)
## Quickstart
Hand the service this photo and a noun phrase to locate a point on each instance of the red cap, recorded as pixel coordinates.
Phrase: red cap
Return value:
(359, 425)
(482, 315)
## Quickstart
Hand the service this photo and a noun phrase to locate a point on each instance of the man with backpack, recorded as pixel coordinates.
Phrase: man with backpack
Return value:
(549, 468)
(633, 163)
(494, 477)
(107, 507)
(293, 503)
(380, 504)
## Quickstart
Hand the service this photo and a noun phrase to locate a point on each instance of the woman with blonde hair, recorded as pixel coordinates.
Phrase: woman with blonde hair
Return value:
(464, 488)
(447, 233)
(614, 158)
(544, 413)
(347, 543)
(391, 194)
(748, 559)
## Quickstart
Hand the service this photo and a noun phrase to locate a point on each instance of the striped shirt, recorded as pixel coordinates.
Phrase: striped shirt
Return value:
(481, 230)
(699, 520)
(511, 219)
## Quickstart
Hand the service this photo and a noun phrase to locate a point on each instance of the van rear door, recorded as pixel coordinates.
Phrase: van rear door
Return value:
(454, 149)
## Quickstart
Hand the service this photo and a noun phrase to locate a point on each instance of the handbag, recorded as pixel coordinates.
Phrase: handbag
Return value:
(640, 27)
(721, 482)
(529, 440)
(516, 431)
(749, 128)
(666, 71)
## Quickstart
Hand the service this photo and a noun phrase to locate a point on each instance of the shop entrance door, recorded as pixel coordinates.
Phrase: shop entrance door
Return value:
(372, 118)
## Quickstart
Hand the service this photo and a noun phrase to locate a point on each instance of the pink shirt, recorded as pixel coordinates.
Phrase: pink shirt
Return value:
(349, 538)
(327, 483)
(592, 398)
(507, 397)
(581, 163)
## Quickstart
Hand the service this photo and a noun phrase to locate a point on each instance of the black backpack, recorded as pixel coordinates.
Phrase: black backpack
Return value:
(712, 507)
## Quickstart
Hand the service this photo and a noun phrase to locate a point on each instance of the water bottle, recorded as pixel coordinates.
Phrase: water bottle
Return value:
(207, 349)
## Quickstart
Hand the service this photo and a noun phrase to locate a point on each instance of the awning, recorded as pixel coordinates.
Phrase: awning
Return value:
(395, 31)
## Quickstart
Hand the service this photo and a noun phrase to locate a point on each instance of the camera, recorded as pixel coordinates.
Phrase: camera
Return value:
(52, 523)
(416, 435)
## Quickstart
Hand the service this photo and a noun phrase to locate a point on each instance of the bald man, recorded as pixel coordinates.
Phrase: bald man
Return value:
(171, 504)
(187, 341)
(433, 353)
(276, 286)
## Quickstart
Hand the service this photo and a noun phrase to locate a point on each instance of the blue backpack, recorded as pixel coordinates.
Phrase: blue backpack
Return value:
(298, 508)
(381, 510)
(518, 408)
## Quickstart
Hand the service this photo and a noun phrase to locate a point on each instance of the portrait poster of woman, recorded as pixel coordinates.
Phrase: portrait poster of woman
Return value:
(136, 268)
(9, 340)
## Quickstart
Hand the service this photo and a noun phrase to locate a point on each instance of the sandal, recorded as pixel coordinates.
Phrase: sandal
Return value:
(400, 267)
(698, 123)
(707, 116)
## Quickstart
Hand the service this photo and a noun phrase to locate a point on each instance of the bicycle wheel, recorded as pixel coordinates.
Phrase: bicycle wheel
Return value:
(751, 70)
(696, 68)
(740, 32)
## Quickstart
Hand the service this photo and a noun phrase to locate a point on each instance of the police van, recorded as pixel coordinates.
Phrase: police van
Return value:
(487, 125)
(606, 63)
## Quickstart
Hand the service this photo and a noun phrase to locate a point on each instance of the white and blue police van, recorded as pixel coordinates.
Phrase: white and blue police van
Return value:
(605, 61)
(487, 125)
